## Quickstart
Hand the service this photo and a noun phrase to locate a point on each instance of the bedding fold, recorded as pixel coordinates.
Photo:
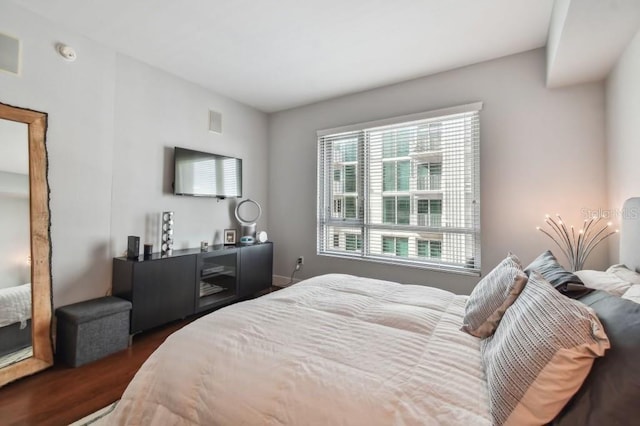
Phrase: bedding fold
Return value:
(15, 305)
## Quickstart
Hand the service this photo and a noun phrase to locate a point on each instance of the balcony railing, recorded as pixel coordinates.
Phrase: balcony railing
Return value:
(432, 220)
(430, 183)
(426, 145)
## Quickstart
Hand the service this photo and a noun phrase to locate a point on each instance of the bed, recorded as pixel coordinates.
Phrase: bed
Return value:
(330, 348)
(344, 350)
(15, 318)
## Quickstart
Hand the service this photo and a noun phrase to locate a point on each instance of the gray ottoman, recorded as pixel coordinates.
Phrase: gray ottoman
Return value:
(91, 330)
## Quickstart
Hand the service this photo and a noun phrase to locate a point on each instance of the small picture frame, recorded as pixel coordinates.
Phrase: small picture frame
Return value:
(229, 237)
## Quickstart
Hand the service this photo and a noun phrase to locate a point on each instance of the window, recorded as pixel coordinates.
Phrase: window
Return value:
(396, 143)
(403, 190)
(395, 175)
(429, 176)
(430, 213)
(430, 248)
(353, 242)
(397, 210)
(398, 246)
(429, 137)
(337, 206)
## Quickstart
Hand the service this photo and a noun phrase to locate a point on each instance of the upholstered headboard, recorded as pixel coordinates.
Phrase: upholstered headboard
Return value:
(630, 234)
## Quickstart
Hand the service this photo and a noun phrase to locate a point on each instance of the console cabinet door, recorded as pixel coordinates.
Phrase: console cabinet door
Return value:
(164, 291)
(256, 268)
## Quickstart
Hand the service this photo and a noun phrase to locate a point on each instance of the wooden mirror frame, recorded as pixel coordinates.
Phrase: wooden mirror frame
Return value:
(41, 301)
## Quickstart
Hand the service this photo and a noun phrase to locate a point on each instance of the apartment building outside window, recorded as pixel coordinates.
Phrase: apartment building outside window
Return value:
(403, 190)
(398, 246)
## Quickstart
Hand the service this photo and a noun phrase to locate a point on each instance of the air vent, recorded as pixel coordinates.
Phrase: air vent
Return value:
(215, 122)
(9, 54)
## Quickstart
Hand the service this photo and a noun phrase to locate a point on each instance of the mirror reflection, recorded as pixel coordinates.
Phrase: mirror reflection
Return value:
(15, 247)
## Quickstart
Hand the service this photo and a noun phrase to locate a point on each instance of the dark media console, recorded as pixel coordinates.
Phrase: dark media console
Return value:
(164, 289)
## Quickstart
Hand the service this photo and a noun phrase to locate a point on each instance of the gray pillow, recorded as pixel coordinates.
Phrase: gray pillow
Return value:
(564, 281)
(492, 296)
(540, 354)
(611, 393)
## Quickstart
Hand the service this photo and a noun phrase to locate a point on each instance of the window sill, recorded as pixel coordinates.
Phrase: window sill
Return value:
(459, 270)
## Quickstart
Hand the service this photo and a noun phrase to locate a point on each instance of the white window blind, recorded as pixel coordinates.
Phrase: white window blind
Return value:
(403, 190)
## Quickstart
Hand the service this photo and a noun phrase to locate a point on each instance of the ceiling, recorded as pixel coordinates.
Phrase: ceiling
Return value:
(586, 38)
(279, 54)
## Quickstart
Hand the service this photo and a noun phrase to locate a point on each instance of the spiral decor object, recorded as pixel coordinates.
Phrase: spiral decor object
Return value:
(167, 233)
(577, 246)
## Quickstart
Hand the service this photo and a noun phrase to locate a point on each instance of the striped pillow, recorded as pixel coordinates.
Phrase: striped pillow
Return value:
(540, 355)
(492, 296)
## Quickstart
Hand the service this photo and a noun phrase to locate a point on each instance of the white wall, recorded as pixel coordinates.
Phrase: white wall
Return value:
(154, 112)
(79, 98)
(541, 151)
(110, 119)
(623, 129)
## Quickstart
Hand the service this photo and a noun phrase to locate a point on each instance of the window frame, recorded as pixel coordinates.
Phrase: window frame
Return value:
(433, 137)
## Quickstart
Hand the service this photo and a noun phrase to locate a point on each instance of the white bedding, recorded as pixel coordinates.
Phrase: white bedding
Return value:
(331, 350)
(15, 305)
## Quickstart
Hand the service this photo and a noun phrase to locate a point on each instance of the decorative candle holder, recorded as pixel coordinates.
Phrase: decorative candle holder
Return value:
(167, 233)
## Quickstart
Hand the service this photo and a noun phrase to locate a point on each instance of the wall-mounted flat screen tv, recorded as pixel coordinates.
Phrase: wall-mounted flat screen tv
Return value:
(202, 174)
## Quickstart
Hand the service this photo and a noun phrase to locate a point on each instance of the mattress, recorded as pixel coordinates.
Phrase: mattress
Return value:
(334, 350)
(15, 305)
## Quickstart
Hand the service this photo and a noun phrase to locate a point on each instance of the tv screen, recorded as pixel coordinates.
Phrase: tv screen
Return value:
(202, 174)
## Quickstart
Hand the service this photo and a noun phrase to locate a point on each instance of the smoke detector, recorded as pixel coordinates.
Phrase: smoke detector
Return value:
(67, 52)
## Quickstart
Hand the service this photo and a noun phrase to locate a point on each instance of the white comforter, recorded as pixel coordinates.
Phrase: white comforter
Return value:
(332, 350)
(15, 305)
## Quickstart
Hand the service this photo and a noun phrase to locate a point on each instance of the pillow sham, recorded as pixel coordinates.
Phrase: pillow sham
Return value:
(539, 355)
(492, 296)
(624, 273)
(633, 294)
(609, 395)
(606, 281)
(564, 281)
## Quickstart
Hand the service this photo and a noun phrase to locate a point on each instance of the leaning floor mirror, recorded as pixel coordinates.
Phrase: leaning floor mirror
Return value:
(25, 251)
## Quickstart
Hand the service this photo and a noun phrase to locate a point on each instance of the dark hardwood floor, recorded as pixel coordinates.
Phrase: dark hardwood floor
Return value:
(62, 395)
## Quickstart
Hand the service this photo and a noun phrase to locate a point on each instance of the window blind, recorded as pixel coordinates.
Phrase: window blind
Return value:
(403, 191)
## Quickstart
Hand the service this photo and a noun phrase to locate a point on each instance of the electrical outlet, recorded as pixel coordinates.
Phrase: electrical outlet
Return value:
(300, 260)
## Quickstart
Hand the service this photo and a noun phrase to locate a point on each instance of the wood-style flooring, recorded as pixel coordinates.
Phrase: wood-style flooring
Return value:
(62, 395)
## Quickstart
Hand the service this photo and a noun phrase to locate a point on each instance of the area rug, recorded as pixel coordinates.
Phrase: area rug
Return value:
(97, 417)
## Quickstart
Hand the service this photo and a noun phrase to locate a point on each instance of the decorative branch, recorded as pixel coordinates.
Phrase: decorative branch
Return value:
(576, 246)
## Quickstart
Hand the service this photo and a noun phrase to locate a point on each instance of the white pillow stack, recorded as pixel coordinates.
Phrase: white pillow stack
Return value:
(617, 280)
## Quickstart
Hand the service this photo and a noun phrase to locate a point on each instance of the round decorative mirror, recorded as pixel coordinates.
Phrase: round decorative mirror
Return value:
(248, 212)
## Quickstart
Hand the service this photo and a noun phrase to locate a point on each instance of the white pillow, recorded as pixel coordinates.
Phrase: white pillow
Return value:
(633, 294)
(606, 281)
(624, 273)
